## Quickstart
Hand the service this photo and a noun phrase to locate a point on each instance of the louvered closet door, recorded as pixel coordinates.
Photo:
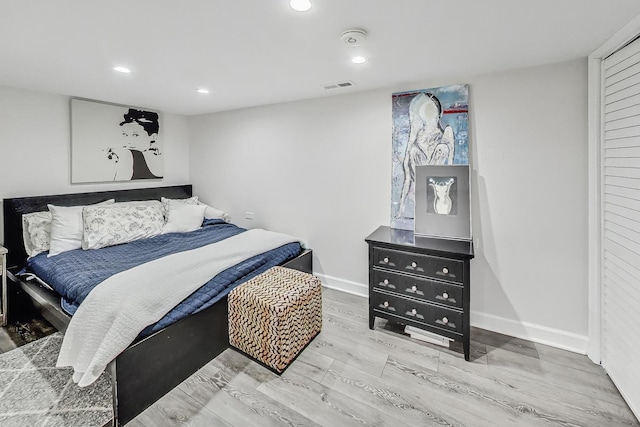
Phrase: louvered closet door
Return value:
(621, 215)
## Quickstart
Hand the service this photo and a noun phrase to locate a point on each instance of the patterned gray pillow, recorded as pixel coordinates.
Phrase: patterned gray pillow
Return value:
(120, 223)
(36, 232)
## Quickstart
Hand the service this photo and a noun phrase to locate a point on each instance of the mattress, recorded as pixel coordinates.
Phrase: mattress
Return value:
(75, 273)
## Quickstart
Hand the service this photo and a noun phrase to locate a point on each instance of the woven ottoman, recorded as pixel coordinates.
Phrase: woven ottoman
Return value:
(273, 316)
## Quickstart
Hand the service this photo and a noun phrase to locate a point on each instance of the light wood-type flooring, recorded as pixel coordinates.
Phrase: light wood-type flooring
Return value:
(352, 376)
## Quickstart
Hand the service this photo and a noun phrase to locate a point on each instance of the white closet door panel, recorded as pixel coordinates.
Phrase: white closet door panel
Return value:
(622, 133)
(626, 364)
(626, 287)
(625, 72)
(618, 334)
(622, 123)
(622, 201)
(622, 221)
(619, 301)
(621, 59)
(621, 211)
(633, 141)
(615, 261)
(622, 152)
(623, 241)
(621, 94)
(620, 246)
(615, 335)
(623, 113)
(621, 252)
(619, 181)
(627, 102)
(626, 233)
(627, 83)
(621, 162)
(623, 172)
(628, 193)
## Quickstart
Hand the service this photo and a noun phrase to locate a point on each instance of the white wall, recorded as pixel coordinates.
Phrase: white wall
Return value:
(320, 169)
(35, 147)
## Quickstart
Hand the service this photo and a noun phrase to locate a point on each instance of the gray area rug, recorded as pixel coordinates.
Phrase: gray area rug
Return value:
(33, 392)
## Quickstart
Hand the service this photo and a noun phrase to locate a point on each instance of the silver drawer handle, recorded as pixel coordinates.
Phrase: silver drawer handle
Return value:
(445, 270)
(386, 260)
(445, 320)
(445, 295)
(414, 288)
(414, 265)
(386, 303)
(385, 281)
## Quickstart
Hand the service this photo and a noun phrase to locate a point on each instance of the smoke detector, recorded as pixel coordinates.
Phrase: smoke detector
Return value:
(354, 37)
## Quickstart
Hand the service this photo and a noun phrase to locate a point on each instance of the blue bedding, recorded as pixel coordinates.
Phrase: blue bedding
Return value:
(75, 273)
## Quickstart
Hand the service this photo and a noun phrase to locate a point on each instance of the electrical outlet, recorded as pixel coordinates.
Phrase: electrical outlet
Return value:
(248, 215)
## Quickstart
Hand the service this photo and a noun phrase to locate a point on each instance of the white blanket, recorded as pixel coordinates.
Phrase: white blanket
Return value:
(118, 309)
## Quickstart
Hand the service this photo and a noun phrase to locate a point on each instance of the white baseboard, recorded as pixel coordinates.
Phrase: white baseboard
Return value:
(343, 285)
(529, 331)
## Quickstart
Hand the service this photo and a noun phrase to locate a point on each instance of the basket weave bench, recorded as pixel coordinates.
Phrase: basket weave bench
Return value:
(273, 316)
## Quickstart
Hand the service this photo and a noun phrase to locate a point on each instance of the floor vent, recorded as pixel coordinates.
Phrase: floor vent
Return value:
(339, 85)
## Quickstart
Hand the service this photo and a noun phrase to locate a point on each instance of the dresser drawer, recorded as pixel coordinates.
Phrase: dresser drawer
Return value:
(417, 311)
(409, 309)
(422, 265)
(446, 319)
(424, 289)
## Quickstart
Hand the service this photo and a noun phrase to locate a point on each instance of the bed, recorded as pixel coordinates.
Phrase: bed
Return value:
(153, 364)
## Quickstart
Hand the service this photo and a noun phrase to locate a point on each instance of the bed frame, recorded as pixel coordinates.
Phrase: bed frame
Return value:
(152, 366)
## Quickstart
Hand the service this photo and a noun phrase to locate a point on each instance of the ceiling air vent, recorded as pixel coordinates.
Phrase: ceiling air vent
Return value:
(339, 85)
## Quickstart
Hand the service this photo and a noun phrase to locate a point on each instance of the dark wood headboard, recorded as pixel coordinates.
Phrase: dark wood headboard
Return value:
(14, 208)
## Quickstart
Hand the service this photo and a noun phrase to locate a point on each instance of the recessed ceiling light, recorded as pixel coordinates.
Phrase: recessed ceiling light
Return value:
(203, 90)
(300, 5)
(122, 70)
(358, 59)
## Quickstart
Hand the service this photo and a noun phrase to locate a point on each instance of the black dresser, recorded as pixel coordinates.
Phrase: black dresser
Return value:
(420, 281)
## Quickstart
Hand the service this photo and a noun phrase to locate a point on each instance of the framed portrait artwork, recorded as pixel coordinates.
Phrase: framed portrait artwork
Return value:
(443, 201)
(112, 142)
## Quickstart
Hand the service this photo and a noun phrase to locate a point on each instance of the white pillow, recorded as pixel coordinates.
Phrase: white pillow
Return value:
(36, 232)
(166, 202)
(210, 212)
(120, 223)
(213, 213)
(66, 227)
(183, 217)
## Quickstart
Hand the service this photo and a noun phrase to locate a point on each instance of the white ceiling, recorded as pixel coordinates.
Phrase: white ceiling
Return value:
(256, 52)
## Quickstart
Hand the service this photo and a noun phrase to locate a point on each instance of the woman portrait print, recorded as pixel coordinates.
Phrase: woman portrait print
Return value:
(139, 156)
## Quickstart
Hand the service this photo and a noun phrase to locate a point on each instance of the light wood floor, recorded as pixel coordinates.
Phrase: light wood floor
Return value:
(350, 375)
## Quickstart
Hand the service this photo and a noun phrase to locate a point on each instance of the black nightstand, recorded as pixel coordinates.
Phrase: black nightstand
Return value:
(420, 281)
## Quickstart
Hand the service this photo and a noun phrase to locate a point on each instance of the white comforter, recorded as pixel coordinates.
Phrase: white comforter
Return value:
(118, 309)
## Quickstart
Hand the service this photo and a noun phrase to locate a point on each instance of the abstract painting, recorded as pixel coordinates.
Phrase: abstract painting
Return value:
(114, 143)
(430, 127)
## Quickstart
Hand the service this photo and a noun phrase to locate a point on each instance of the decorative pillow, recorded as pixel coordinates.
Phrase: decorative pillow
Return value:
(66, 227)
(183, 217)
(120, 223)
(210, 212)
(36, 232)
